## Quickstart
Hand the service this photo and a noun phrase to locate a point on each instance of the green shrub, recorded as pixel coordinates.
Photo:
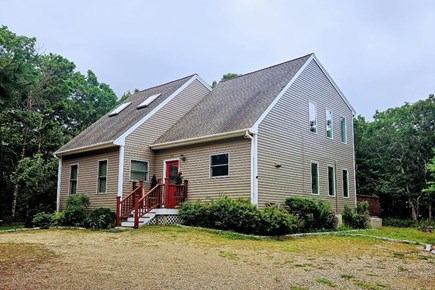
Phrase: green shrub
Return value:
(354, 220)
(42, 220)
(237, 215)
(362, 208)
(75, 211)
(311, 213)
(100, 218)
(276, 221)
(194, 214)
(407, 223)
(57, 218)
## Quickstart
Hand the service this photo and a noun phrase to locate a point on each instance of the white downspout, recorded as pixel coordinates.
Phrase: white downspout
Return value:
(59, 179)
(121, 170)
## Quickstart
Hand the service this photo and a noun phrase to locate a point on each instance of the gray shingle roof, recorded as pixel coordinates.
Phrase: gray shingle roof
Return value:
(107, 128)
(235, 104)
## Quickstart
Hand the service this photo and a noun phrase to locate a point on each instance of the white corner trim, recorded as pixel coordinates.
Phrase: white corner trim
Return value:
(203, 82)
(254, 128)
(121, 170)
(121, 139)
(354, 164)
(333, 84)
(254, 172)
(59, 180)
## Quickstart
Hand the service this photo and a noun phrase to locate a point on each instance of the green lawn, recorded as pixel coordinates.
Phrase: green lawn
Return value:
(409, 234)
(4, 228)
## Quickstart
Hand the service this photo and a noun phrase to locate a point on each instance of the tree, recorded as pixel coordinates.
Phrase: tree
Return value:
(225, 77)
(429, 191)
(44, 103)
(392, 153)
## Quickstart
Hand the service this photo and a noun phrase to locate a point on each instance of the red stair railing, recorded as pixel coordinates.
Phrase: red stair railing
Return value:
(124, 206)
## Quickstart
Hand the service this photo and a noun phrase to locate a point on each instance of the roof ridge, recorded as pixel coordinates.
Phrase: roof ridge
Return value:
(161, 85)
(265, 68)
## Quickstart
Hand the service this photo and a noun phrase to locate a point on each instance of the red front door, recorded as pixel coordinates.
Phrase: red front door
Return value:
(172, 168)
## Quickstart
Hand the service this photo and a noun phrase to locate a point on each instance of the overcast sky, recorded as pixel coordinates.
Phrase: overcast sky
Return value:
(380, 53)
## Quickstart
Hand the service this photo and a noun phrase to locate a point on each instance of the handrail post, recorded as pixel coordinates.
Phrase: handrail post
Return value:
(118, 211)
(159, 193)
(141, 188)
(136, 210)
(165, 195)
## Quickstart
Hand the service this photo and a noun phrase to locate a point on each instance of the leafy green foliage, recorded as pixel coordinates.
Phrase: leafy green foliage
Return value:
(237, 215)
(225, 77)
(100, 218)
(407, 223)
(42, 220)
(392, 154)
(75, 211)
(311, 213)
(44, 103)
(276, 221)
(359, 219)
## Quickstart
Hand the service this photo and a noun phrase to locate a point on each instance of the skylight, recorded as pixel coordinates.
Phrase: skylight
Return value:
(148, 101)
(119, 109)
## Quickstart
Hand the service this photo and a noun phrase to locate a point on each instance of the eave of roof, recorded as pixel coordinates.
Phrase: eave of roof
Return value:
(202, 139)
(83, 149)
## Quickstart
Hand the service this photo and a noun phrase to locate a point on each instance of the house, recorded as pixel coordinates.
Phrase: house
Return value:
(285, 130)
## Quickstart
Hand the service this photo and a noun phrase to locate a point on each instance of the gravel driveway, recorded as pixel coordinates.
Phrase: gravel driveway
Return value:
(182, 258)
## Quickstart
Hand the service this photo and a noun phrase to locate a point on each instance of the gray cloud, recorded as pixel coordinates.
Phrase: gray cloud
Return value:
(380, 53)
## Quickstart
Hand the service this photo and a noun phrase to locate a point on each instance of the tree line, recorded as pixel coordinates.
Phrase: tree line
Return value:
(45, 102)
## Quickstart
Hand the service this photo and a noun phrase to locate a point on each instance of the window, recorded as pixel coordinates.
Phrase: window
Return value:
(73, 179)
(119, 109)
(148, 101)
(345, 183)
(314, 178)
(343, 129)
(219, 165)
(102, 176)
(138, 170)
(331, 181)
(328, 124)
(313, 117)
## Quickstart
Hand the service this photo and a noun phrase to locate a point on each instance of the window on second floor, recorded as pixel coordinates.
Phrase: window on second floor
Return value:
(343, 129)
(313, 117)
(329, 124)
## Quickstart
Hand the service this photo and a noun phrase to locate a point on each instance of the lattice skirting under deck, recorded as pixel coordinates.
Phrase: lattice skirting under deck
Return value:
(165, 220)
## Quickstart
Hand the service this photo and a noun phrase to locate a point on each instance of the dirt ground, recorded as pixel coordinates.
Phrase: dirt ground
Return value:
(182, 258)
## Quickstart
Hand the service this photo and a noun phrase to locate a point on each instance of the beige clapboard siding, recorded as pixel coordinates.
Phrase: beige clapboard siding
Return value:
(137, 143)
(88, 175)
(196, 169)
(284, 138)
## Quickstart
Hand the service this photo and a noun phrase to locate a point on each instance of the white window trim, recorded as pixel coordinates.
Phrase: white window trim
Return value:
(209, 165)
(342, 183)
(147, 177)
(98, 174)
(333, 179)
(318, 178)
(345, 129)
(317, 123)
(332, 124)
(69, 179)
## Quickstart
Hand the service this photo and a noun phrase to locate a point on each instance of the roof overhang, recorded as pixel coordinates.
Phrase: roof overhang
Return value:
(202, 139)
(85, 149)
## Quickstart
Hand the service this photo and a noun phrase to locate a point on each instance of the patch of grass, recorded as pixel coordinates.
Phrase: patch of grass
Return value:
(5, 228)
(326, 282)
(229, 255)
(369, 286)
(410, 234)
(346, 277)
(297, 287)
(398, 255)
